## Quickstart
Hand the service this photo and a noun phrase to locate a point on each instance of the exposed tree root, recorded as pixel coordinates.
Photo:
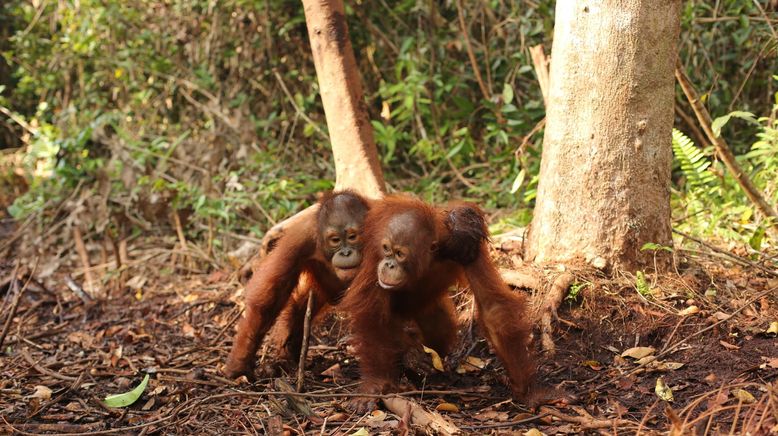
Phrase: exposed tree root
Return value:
(551, 302)
(546, 302)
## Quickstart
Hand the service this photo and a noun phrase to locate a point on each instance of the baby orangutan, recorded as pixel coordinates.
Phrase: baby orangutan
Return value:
(413, 253)
(323, 257)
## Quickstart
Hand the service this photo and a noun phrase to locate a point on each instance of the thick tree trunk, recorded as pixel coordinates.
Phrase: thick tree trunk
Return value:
(356, 159)
(604, 187)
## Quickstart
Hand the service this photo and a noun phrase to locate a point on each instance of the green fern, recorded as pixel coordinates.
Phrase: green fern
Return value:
(693, 163)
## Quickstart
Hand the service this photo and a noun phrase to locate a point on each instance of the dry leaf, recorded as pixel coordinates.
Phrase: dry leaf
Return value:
(333, 371)
(689, 311)
(471, 364)
(188, 330)
(337, 417)
(533, 432)
(729, 346)
(663, 391)
(41, 392)
(593, 364)
(669, 366)
(447, 407)
(436, 362)
(721, 316)
(491, 415)
(744, 396)
(646, 360)
(638, 352)
(773, 329)
(772, 362)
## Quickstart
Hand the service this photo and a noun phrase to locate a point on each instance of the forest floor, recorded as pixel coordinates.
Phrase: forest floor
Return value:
(709, 324)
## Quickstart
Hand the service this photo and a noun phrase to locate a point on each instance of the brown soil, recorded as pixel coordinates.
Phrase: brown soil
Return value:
(179, 328)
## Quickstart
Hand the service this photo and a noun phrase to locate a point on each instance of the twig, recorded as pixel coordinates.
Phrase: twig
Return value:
(728, 254)
(504, 424)
(304, 348)
(587, 422)
(78, 290)
(81, 249)
(42, 369)
(722, 148)
(17, 298)
(297, 109)
(470, 54)
(76, 384)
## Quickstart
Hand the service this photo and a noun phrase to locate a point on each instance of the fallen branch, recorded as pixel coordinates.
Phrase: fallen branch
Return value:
(587, 421)
(419, 416)
(42, 369)
(722, 148)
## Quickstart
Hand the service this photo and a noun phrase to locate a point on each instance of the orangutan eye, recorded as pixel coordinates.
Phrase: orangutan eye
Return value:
(400, 256)
(334, 240)
(352, 237)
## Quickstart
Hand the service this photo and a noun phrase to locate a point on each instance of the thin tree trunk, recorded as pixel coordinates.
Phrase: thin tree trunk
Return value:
(357, 166)
(356, 159)
(604, 187)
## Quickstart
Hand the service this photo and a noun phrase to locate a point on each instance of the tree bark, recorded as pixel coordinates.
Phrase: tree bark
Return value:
(357, 165)
(604, 187)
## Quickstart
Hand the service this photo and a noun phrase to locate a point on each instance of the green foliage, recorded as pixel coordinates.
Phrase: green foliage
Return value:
(198, 107)
(693, 163)
(642, 285)
(710, 202)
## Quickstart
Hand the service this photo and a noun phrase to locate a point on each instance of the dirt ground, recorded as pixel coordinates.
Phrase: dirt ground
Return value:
(708, 325)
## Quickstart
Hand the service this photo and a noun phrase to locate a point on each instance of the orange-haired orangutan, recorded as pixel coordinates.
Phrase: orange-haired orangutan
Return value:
(413, 253)
(324, 256)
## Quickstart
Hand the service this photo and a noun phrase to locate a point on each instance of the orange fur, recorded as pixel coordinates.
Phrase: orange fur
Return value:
(378, 315)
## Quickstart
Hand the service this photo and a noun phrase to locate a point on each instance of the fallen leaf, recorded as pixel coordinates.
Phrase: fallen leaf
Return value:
(41, 392)
(447, 407)
(333, 371)
(646, 360)
(189, 298)
(593, 364)
(773, 329)
(721, 316)
(361, 432)
(638, 352)
(663, 391)
(73, 406)
(533, 432)
(744, 396)
(127, 398)
(772, 362)
(669, 366)
(337, 417)
(436, 362)
(188, 330)
(710, 378)
(376, 418)
(729, 346)
(491, 415)
(689, 311)
(471, 364)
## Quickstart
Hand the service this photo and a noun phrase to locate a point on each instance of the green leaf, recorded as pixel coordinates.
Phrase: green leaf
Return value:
(719, 122)
(127, 398)
(518, 181)
(507, 93)
(655, 247)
